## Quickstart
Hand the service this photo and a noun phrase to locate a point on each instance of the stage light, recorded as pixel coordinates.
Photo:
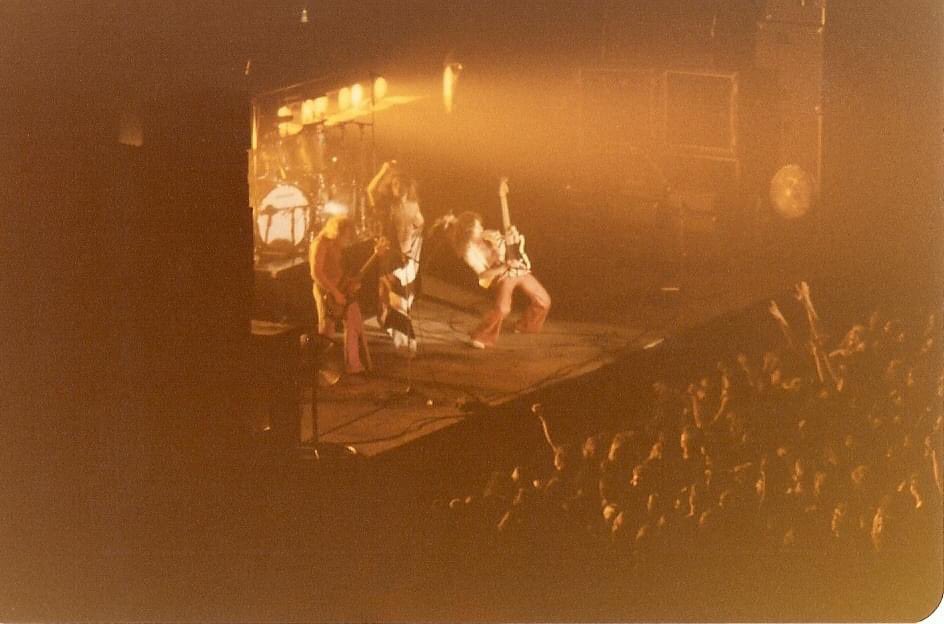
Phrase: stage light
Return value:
(357, 95)
(450, 80)
(290, 119)
(380, 88)
(344, 98)
(309, 112)
(321, 106)
(289, 128)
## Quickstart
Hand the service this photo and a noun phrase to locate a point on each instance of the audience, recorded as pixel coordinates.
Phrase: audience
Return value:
(818, 445)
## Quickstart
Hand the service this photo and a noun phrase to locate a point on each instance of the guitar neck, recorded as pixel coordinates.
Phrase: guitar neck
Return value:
(506, 216)
(366, 266)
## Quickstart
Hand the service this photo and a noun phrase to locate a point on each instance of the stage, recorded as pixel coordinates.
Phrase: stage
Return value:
(403, 399)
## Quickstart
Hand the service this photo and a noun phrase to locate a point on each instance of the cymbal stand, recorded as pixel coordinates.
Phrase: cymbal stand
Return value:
(358, 193)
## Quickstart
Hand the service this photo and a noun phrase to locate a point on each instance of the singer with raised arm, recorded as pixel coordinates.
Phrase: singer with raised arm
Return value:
(502, 266)
(396, 202)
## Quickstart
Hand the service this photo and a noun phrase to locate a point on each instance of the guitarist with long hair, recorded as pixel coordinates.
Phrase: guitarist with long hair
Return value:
(502, 267)
(335, 292)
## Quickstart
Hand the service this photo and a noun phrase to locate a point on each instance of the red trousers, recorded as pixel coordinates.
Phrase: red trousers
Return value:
(533, 319)
(353, 329)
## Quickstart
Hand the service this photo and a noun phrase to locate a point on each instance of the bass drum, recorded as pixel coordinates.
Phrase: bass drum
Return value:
(282, 218)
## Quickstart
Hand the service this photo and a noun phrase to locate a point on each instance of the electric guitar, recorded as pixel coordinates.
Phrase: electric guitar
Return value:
(350, 284)
(513, 250)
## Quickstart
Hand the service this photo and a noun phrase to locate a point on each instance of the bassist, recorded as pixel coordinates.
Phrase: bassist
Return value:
(335, 293)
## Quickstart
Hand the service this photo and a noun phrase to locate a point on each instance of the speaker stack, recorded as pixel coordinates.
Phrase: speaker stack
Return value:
(618, 130)
(789, 47)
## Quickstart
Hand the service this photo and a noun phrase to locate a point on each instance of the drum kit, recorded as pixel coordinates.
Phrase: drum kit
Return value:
(298, 182)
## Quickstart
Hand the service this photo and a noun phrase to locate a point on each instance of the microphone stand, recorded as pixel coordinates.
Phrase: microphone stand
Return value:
(410, 389)
(315, 449)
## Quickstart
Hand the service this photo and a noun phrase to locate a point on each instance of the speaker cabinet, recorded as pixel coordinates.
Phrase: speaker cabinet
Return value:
(701, 112)
(792, 54)
(617, 108)
(282, 290)
(274, 405)
(806, 12)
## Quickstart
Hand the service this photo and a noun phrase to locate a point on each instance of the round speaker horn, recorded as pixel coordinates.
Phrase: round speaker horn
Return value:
(791, 192)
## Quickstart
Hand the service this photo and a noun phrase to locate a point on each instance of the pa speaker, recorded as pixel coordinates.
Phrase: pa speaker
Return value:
(791, 53)
(274, 405)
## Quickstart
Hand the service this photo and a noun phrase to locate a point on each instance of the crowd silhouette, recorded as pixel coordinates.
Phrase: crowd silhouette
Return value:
(823, 450)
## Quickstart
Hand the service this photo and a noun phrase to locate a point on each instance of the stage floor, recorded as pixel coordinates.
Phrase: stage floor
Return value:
(405, 399)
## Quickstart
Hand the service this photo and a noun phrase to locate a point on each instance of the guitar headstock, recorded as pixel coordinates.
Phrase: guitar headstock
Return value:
(381, 245)
(503, 187)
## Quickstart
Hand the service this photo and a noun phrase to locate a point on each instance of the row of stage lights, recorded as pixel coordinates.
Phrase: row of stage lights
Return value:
(293, 117)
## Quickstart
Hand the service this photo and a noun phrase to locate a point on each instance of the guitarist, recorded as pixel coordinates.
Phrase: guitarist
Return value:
(334, 292)
(502, 267)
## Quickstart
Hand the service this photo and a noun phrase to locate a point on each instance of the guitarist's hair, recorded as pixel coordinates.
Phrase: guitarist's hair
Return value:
(461, 231)
(335, 226)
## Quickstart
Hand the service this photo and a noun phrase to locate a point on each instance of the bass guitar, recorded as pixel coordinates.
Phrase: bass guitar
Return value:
(351, 284)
